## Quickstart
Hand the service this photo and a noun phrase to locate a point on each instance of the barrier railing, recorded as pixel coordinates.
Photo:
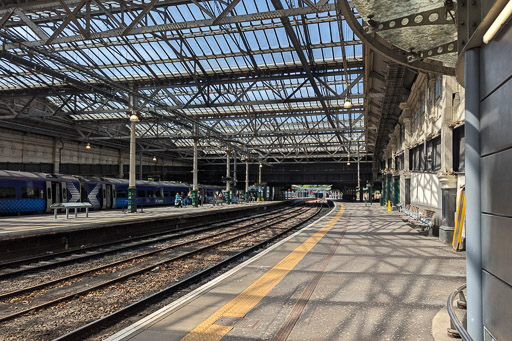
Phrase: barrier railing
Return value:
(456, 326)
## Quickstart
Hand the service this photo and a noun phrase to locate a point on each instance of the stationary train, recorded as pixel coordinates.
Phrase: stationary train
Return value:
(25, 192)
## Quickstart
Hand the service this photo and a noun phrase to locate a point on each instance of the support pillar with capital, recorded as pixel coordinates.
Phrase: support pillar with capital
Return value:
(195, 184)
(449, 203)
(228, 182)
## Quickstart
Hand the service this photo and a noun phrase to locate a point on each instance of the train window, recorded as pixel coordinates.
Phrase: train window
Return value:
(158, 194)
(8, 193)
(173, 194)
(141, 194)
(151, 194)
(121, 194)
(166, 194)
(64, 196)
(29, 193)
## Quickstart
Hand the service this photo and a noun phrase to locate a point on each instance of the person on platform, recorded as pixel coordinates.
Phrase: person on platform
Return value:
(177, 200)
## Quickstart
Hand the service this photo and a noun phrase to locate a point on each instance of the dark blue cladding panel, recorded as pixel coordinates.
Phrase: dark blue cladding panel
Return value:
(13, 206)
(496, 119)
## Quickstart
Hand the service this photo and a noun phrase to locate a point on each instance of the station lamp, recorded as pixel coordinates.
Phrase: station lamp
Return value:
(88, 146)
(154, 158)
(134, 118)
(348, 103)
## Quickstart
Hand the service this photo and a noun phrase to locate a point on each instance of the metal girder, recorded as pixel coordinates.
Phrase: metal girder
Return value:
(436, 16)
(291, 35)
(180, 25)
(260, 101)
(394, 53)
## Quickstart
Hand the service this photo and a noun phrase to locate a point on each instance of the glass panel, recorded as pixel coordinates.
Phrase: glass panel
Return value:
(8, 193)
(29, 193)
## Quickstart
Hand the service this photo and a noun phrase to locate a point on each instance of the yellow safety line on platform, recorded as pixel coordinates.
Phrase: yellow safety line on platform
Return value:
(245, 301)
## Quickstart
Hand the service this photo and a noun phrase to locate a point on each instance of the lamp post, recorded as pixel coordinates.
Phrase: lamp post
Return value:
(194, 172)
(259, 182)
(132, 191)
(228, 181)
(246, 196)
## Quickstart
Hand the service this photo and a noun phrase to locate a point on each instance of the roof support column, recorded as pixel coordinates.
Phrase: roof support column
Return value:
(259, 181)
(246, 177)
(473, 195)
(132, 191)
(228, 182)
(195, 184)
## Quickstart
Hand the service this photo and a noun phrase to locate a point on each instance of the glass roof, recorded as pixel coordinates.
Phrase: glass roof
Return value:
(252, 74)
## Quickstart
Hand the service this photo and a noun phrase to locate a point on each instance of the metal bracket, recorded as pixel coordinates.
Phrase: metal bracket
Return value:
(437, 16)
(392, 53)
(435, 51)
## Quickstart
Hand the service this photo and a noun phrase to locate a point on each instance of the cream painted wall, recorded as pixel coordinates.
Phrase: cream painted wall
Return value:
(20, 147)
(425, 190)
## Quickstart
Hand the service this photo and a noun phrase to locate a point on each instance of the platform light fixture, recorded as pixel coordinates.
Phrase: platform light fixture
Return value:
(88, 146)
(134, 118)
(500, 21)
(154, 158)
(348, 103)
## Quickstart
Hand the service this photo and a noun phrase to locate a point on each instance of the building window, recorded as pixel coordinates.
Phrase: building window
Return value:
(399, 162)
(431, 96)
(8, 193)
(438, 87)
(433, 155)
(417, 158)
(459, 141)
(29, 193)
(389, 163)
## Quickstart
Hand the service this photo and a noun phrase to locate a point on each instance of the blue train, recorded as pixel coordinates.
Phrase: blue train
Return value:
(25, 192)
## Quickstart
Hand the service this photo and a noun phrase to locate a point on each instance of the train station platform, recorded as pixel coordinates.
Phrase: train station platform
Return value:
(28, 236)
(359, 273)
(16, 226)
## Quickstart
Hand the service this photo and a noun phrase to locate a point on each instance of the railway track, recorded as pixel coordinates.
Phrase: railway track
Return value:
(40, 262)
(107, 288)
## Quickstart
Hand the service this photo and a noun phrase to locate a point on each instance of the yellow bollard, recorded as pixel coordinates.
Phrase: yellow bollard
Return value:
(389, 205)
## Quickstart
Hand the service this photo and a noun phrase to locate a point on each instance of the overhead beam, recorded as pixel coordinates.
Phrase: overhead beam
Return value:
(174, 26)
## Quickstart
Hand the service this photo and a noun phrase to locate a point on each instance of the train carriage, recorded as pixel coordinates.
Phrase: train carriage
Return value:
(27, 192)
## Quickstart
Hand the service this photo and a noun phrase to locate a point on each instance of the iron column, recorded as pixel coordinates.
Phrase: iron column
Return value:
(132, 192)
(228, 183)
(246, 179)
(259, 182)
(195, 185)
(473, 195)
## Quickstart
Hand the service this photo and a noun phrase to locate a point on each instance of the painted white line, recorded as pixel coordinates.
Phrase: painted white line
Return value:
(206, 287)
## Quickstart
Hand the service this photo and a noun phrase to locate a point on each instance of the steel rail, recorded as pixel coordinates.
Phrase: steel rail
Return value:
(121, 261)
(158, 235)
(69, 296)
(108, 320)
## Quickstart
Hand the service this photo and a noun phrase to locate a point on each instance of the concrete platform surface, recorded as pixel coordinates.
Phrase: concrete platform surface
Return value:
(12, 226)
(359, 273)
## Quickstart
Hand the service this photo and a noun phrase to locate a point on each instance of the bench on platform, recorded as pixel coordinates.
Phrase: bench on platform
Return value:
(71, 205)
(426, 218)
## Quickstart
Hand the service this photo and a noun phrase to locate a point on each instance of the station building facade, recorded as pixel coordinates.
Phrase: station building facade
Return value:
(423, 163)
